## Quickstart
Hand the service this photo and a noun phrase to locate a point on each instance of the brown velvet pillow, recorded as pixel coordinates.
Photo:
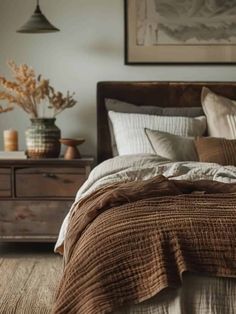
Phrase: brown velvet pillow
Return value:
(217, 150)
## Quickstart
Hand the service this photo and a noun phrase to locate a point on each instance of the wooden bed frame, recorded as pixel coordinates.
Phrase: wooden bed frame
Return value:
(162, 94)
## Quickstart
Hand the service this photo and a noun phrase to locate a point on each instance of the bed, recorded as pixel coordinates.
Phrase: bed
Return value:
(112, 247)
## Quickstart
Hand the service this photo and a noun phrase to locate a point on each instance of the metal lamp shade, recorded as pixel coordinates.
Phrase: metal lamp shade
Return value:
(38, 23)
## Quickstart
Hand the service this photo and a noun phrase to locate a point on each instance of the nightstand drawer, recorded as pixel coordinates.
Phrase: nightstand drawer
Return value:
(49, 182)
(31, 220)
(5, 182)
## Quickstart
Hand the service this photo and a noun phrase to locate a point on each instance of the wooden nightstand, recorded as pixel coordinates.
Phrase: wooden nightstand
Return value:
(35, 196)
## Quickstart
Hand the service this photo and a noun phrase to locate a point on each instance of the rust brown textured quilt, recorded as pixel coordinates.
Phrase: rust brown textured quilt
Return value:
(127, 241)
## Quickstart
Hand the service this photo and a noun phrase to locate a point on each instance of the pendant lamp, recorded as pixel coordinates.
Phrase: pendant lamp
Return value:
(37, 23)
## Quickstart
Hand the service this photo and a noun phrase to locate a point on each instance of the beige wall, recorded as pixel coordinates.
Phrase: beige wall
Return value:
(89, 48)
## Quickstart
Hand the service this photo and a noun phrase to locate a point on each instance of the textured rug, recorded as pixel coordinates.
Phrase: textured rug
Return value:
(29, 275)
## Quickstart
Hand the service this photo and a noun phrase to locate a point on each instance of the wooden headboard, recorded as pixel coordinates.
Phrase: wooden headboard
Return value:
(162, 94)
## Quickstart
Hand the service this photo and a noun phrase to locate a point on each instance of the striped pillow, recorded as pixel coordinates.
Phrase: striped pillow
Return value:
(217, 150)
(130, 135)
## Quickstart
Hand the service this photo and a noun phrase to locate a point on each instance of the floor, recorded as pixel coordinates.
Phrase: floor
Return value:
(29, 276)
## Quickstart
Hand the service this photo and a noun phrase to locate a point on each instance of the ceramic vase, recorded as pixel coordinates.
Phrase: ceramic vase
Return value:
(42, 139)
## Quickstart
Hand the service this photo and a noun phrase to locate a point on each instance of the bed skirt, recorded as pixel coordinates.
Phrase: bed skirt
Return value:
(197, 295)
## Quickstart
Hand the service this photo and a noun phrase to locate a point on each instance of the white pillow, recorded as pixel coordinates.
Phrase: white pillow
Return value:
(130, 134)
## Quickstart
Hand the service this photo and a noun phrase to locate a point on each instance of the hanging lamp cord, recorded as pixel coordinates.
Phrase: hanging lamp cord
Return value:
(37, 10)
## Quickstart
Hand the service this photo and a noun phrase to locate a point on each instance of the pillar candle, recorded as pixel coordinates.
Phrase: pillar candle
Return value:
(10, 138)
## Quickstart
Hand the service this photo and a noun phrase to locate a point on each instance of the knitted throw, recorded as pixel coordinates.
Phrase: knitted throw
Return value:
(128, 241)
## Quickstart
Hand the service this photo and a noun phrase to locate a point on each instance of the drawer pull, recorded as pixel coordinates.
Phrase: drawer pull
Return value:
(50, 175)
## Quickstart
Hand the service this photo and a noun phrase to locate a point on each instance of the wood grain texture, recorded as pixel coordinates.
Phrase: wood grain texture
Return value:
(58, 162)
(48, 183)
(5, 182)
(162, 94)
(36, 195)
(32, 218)
(29, 279)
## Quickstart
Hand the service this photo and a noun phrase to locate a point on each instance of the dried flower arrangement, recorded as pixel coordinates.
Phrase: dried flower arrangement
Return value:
(31, 93)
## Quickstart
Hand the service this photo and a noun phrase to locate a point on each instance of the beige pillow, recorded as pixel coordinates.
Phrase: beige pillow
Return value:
(221, 114)
(217, 150)
(171, 146)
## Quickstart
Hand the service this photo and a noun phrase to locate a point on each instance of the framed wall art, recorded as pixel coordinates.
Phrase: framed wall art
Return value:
(180, 31)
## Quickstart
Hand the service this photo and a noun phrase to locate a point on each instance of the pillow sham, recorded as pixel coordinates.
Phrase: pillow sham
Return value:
(129, 128)
(171, 146)
(217, 150)
(121, 106)
(221, 114)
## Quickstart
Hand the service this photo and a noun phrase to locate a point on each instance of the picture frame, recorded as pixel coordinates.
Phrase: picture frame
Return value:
(191, 45)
